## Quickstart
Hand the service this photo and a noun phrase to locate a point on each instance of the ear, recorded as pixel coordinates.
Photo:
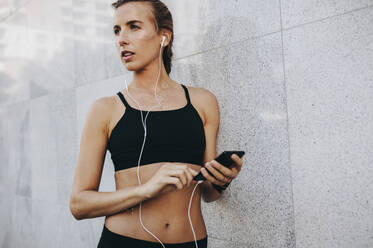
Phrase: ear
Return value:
(168, 35)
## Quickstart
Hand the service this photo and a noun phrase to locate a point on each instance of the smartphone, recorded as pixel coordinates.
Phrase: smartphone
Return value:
(225, 159)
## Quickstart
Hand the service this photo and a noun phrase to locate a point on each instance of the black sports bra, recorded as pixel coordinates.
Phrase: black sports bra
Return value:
(172, 136)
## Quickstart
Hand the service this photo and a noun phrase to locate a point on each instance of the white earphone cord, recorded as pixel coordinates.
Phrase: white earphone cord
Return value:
(138, 164)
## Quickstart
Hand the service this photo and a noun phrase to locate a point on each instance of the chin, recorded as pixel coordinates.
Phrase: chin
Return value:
(131, 66)
(136, 67)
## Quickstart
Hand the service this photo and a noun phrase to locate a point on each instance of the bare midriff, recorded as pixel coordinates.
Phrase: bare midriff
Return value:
(165, 215)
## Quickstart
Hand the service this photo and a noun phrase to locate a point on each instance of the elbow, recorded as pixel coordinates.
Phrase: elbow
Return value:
(74, 209)
(75, 213)
(213, 196)
(204, 199)
(211, 199)
(207, 198)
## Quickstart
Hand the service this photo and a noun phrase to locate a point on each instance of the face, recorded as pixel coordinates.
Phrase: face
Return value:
(134, 30)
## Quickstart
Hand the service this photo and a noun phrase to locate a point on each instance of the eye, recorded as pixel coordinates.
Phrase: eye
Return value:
(132, 26)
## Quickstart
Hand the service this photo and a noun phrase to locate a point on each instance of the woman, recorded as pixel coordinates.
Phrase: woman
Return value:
(180, 139)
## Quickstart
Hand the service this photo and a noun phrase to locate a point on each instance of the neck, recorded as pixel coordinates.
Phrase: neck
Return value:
(146, 79)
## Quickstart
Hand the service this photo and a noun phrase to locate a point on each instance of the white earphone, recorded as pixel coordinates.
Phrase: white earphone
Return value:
(163, 40)
(138, 165)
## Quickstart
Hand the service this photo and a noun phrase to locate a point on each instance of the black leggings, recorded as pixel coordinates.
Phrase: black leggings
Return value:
(110, 239)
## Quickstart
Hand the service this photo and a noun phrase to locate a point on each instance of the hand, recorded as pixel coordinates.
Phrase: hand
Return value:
(170, 176)
(221, 174)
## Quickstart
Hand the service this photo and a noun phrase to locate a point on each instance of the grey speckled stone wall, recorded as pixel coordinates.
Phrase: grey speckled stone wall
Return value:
(294, 81)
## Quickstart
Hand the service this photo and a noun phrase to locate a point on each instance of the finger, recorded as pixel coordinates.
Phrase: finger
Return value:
(189, 176)
(209, 177)
(238, 161)
(178, 173)
(174, 172)
(183, 177)
(175, 181)
(224, 170)
(179, 183)
(194, 173)
(217, 174)
(189, 173)
(235, 172)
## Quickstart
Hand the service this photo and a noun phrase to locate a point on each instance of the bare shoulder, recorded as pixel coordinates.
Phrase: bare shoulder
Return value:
(205, 100)
(100, 112)
(201, 92)
(102, 104)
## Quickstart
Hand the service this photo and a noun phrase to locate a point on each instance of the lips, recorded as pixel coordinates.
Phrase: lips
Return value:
(127, 53)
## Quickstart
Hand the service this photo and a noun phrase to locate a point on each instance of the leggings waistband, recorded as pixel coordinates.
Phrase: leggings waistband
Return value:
(110, 239)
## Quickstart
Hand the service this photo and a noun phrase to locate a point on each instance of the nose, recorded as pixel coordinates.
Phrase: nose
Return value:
(122, 39)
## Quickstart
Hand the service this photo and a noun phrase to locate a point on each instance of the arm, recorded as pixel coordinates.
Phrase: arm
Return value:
(209, 193)
(212, 117)
(85, 200)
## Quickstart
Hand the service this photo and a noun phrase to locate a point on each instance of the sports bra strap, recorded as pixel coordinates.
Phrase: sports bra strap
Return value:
(128, 106)
(186, 93)
(123, 99)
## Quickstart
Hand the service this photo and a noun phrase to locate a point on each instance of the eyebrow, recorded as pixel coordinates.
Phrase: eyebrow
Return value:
(129, 22)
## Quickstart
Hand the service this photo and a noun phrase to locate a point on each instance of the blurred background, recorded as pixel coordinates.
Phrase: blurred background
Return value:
(294, 82)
